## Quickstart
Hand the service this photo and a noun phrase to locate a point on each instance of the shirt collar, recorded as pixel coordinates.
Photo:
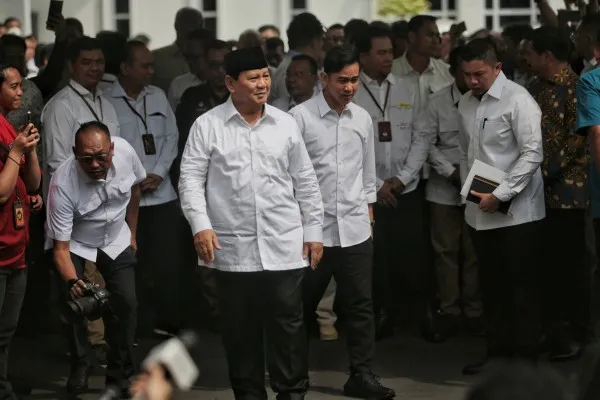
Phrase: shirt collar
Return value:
(324, 108)
(118, 91)
(408, 67)
(498, 86)
(83, 91)
(232, 112)
(108, 78)
(368, 80)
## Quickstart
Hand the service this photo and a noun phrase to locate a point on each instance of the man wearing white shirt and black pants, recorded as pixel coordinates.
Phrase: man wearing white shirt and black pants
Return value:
(250, 193)
(501, 127)
(400, 153)
(148, 124)
(93, 202)
(339, 138)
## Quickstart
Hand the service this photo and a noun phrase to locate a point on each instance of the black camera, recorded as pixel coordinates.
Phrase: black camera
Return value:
(92, 305)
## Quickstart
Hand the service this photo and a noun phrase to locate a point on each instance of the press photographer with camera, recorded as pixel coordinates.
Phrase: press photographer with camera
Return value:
(93, 203)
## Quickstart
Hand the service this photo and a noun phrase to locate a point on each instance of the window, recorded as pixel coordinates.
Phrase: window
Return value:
(515, 3)
(500, 13)
(209, 11)
(444, 9)
(298, 7)
(122, 17)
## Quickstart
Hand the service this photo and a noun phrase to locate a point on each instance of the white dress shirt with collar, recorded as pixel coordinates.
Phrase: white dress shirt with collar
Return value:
(179, 86)
(278, 77)
(254, 186)
(153, 106)
(436, 77)
(64, 114)
(503, 130)
(343, 154)
(90, 214)
(442, 120)
(404, 156)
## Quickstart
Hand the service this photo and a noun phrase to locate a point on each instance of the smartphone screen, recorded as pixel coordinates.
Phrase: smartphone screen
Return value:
(54, 11)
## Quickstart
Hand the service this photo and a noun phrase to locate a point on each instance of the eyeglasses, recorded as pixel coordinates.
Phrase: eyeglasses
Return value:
(100, 157)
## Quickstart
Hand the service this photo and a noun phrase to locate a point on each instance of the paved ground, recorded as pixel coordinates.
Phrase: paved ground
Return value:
(415, 369)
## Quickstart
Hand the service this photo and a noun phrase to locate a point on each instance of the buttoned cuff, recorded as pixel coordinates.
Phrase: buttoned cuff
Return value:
(503, 192)
(200, 223)
(371, 198)
(379, 183)
(61, 237)
(405, 178)
(160, 170)
(313, 234)
(446, 170)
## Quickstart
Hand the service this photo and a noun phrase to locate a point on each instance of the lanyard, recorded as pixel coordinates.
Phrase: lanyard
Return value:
(89, 106)
(133, 110)
(387, 97)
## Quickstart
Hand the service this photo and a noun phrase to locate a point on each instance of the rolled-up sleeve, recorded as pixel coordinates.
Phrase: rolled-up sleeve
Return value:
(526, 126)
(194, 170)
(369, 172)
(306, 189)
(60, 211)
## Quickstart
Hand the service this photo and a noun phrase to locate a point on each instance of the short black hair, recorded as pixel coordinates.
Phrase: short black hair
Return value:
(129, 49)
(3, 68)
(400, 29)
(216, 45)
(517, 32)
(314, 67)
(84, 43)
(340, 57)
(354, 28)
(335, 26)
(454, 58)
(364, 42)
(273, 43)
(95, 125)
(113, 45)
(11, 19)
(380, 24)
(74, 23)
(483, 49)
(552, 40)
(10, 40)
(303, 30)
(269, 27)
(418, 21)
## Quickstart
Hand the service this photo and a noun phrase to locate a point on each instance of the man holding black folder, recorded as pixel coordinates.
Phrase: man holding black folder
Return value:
(501, 132)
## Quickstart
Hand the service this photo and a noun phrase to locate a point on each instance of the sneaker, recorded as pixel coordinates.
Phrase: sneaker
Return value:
(367, 386)
(328, 332)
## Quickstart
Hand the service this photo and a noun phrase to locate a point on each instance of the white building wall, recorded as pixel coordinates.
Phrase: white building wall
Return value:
(155, 18)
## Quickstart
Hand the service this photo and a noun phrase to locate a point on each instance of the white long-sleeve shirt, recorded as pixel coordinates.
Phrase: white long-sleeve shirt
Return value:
(441, 119)
(405, 155)
(504, 130)
(254, 186)
(342, 152)
(154, 110)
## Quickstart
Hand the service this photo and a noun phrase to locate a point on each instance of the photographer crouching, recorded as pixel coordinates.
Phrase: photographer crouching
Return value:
(93, 203)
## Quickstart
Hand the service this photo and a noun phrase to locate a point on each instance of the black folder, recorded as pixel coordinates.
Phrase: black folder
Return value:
(484, 185)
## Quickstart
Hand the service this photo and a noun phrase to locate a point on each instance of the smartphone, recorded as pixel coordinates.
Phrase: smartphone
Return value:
(28, 121)
(54, 12)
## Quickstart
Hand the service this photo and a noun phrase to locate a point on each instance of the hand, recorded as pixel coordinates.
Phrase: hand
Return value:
(57, 24)
(36, 202)
(489, 203)
(151, 183)
(26, 140)
(385, 196)
(133, 243)
(315, 250)
(78, 289)
(455, 178)
(151, 385)
(205, 242)
(397, 185)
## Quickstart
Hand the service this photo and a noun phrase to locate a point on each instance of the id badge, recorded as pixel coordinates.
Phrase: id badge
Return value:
(149, 146)
(18, 215)
(384, 129)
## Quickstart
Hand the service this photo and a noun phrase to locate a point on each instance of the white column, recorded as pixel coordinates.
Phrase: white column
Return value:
(27, 27)
(197, 4)
(472, 13)
(108, 22)
(284, 15)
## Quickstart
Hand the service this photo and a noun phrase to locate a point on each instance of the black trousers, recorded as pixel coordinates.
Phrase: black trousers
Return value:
(12, 292)
(119, 324)
(400, 263)
(352, 269)
(159, 273)
(258, 308)
(509, 279)
(567, 277)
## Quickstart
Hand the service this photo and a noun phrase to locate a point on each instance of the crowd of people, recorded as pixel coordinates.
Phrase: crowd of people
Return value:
(275, 188)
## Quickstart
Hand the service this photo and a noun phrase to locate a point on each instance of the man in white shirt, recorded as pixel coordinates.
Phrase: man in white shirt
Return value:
(500, 126)
(148, 124)
(252, 198)
(455, 261)
(92, 213)
(194, 49)
(339, 138)
(301, 78)
(400, 152)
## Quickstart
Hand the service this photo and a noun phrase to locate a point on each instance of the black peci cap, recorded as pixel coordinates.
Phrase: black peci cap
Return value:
(244, 60)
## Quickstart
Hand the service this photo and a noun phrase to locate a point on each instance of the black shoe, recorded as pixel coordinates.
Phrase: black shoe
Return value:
(477, 368)
(78, 378)
(367, 386)
(101, 352)
(564, 351)
(384, 327)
